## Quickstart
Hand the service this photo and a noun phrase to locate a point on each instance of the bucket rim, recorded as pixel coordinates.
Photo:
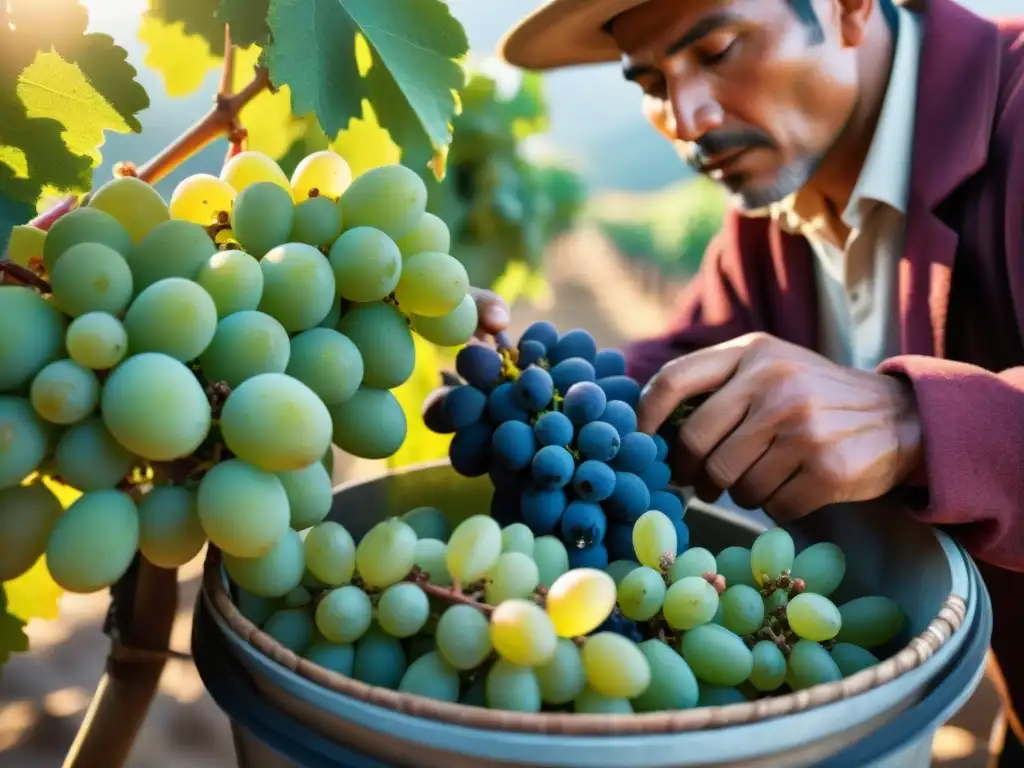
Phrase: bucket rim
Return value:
(940, 630)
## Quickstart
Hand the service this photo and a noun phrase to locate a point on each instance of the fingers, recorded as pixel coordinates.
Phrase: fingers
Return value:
(491, 310)
(684, 377)
(758, 484)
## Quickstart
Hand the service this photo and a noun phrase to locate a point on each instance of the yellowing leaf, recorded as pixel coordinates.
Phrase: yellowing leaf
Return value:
(53, 88)
(183, 61)
(420, 443)
(34, 594)
(268, 118)
(366, 145)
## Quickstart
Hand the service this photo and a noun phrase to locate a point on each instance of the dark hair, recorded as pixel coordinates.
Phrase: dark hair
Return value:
(805, 13)
(803, 10)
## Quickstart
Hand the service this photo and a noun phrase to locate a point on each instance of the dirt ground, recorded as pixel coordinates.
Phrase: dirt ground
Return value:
(44, 694)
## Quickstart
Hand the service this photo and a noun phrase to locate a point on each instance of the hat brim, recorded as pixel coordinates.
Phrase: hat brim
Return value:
(564, 33)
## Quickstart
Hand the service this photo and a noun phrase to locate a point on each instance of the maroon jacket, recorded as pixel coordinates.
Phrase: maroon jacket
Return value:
(961, 297)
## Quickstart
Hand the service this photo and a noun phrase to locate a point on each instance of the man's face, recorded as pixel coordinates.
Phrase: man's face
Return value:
(751, 94)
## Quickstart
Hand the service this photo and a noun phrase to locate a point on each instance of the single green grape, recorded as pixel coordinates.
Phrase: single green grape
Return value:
(135, 204)
(386, 553)
(155, 407)
(328, 363)
(40, 337)
(170, 533)
(92, 544)
(344, 614)
(451, 329)
(371, 424)
(367, 264)
(291, 627)
(273, 574)
(769, 671)
(65, 392)
(716, 655)
(97, 340)
(337, 657)
(385, 343)
(522, 633)
(463, 637)
(245, 344)
(431, 676)
(813, 617)
(810, 664)
(262, 217)
(513, 575)
(26, 440)
(734, 565)
(380, 659)
(620, 569)
(851, 658)
(473, 548)
(91, 277)
(243, 509)
(429, 234)
(654, 536)
(330, 553)
(673, 684)
(172, 249)
(696, 561)
(298, 286)
(174, 317)
(771, 553)
(27, 516)
(428, 522)
(430, 557)
(317, 221)
(615, 666)
(310, 495)
(590, 702)
(251, 167)
(517, 537)
(432, 284)
(234, 281)
(580, 600)
(561, 678)
(512, 687)
(870, 621)
(742, 609)
(821, 566)
(391, 198)
(641, 594)
(276, 423)
(84, 225)
(690, 602)
(403, 609)
(323, 173)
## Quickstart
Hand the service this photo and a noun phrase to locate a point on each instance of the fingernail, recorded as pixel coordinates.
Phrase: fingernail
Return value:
(497, 315)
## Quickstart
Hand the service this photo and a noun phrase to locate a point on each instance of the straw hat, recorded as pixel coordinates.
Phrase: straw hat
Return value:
(564, 32)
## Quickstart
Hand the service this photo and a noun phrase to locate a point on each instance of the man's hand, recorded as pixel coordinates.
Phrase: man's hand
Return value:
(786, 429)
(492, 312)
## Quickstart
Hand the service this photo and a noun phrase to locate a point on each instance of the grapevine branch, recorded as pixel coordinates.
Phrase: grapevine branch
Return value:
(145, 599)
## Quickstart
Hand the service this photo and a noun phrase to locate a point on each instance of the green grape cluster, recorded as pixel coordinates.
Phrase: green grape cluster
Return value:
(195, 359)
(496, 617)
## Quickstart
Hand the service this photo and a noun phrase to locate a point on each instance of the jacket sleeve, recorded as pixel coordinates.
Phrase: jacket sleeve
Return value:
(973, 430)
(714, 307)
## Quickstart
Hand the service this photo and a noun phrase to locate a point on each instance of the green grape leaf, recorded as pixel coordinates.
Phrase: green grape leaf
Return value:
(106, 67)
(33, 154)
(12, 631)
(248, 20)
(56, 88)
(409, 76)
(197, 17)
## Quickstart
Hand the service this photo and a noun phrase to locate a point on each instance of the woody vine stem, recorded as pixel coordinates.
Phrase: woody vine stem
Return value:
(145, 600)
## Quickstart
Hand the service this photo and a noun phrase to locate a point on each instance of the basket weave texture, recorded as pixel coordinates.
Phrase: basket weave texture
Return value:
(915, 653)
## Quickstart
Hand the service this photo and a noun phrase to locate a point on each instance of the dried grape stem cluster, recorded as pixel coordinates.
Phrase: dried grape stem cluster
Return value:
(776, 624)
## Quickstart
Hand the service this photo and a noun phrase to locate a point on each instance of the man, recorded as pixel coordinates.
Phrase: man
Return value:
(859, 318)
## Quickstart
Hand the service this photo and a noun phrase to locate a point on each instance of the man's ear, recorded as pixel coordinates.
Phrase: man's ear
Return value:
(853, 18)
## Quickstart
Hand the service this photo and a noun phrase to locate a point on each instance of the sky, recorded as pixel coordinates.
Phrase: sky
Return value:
(595, 115)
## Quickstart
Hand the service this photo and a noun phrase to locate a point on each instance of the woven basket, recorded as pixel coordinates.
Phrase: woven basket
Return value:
(922, 647)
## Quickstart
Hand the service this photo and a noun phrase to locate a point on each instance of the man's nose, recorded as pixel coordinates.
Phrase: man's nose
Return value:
(694, 111)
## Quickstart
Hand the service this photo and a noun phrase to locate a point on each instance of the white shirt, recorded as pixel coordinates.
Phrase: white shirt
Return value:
(857, 284)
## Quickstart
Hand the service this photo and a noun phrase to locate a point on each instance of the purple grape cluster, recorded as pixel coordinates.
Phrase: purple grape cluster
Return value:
(554, 425)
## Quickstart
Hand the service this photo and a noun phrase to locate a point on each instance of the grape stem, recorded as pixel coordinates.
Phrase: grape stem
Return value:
(19, 275)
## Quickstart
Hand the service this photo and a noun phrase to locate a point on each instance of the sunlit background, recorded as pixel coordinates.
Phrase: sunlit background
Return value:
(636, 247)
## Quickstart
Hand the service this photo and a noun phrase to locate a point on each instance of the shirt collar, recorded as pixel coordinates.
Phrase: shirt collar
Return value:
(885, 175)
